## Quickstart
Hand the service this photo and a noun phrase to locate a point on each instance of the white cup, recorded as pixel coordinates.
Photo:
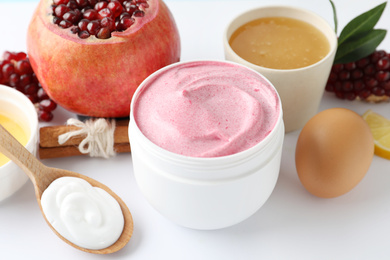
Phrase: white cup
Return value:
(300, 89)
(205, 193)
(18, 107)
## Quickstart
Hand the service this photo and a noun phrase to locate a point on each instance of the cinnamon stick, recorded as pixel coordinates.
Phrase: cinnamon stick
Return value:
(50, 148)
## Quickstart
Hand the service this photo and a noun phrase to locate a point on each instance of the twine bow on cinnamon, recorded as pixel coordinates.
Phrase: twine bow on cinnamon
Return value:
(99, 140)
(94, 137)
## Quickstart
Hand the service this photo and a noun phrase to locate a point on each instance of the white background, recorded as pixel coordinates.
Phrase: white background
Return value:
(291, 225)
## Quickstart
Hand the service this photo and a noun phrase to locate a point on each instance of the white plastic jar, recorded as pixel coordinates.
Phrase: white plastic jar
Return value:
(206, 193)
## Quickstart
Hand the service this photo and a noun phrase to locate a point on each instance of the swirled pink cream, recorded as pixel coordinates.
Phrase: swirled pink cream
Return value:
(206, 108)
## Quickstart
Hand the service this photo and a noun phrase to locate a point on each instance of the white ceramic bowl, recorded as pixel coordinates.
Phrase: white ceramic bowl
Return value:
(205, 193)
(300, 89)
(15, 105)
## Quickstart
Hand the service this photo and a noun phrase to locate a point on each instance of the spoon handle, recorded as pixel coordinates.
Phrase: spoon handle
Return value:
(16, 152)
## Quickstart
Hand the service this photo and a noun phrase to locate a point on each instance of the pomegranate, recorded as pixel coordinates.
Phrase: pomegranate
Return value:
(91, 55)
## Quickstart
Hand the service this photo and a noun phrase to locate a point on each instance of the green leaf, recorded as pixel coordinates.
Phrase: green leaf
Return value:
(362, 23)
(334, 16)
(360, 46)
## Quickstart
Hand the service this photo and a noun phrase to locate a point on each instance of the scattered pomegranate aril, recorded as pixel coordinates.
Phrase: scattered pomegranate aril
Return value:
(367, 79)
(69, 13)
(16, 72)
(45, 116)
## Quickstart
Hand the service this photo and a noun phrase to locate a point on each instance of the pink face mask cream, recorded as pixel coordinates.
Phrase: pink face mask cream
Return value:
(206, 140)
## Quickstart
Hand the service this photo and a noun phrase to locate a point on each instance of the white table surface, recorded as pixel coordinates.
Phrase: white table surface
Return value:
(291, 225)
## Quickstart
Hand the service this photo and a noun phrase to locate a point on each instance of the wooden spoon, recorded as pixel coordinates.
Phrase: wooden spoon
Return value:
(41, 177)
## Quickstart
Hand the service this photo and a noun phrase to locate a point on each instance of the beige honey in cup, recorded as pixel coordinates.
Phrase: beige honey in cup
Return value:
(279, 43)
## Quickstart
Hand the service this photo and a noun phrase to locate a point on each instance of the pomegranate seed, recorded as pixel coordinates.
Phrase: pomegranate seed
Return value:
(350, 96)
(75, 29)
(8, 56)
(41, 94)
(329, 87)
(45, 116)
(31, 89)
(371, 83)
(60, 2)
(125, 23)
(72, 5)
(14, 80)
(105, 12)
(382, 76)
(61, 10)
(84, 34)
(378, 91)
(65, 24)
(56, 20)
(375, 56)
(93, 27)
(47, 105)
(123, 15)
(385, 85)
(100, 5)
(90, 14)
(139, 13)
(7, 70)
(364, 94)
(70, 16)
(358, 85)
(383, 63)
(82, 3)
(369, 70)
(362, 62)
(33, 98)
(337, 67)
(350, 66)
(108, 22)
(344, 75)
(130, 8)
(357, 74)
(85, 9)
(20, 56)
(92, 2)
(83, 24)
(347, 86)
(104, 33)
(332, 77)
(23, 67)
(25, 79)
(115, 7)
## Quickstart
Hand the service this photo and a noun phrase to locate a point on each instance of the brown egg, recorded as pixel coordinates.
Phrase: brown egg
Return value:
(334, 151)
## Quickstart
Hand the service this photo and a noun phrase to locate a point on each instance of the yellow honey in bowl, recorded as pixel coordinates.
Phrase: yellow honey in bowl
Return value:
(279, 43)
(16, 130)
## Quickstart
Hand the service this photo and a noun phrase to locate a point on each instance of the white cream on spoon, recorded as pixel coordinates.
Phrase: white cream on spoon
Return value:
(86, 216)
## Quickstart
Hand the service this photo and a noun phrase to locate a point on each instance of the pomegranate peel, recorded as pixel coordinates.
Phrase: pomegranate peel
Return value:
(97, 77)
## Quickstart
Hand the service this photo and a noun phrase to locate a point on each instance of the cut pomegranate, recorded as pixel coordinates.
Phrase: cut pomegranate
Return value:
(16, 72)
(68, 13)
(94, 67)
(366, 79)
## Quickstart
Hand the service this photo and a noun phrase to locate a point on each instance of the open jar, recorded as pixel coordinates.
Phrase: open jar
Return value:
(212, 191)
